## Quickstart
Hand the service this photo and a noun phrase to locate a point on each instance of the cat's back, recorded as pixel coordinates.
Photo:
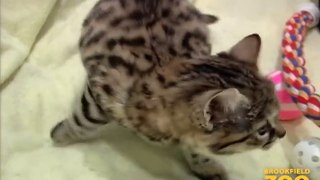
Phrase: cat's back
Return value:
(110, 34)
(140, 30)
(124, 40)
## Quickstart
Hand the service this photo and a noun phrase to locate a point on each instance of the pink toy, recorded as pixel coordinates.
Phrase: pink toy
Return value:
(288, 109)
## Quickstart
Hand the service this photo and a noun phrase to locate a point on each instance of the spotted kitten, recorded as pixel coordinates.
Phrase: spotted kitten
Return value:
(149, 69)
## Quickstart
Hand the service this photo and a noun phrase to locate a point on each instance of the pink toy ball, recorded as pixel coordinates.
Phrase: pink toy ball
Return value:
(288, 109)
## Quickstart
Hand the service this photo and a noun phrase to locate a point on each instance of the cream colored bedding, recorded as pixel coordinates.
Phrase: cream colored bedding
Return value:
(41, 76)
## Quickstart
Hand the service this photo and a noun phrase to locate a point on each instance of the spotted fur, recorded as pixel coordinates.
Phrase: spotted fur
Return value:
(150, 69)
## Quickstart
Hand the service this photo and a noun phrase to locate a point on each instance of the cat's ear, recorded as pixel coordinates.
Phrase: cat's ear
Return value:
(247, 49)
(208, 19)
(225, 108)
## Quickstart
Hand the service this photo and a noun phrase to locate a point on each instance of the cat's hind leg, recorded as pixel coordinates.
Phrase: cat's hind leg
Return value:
(85, 123)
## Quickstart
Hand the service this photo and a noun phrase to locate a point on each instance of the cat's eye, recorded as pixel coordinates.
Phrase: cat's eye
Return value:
(263, 132)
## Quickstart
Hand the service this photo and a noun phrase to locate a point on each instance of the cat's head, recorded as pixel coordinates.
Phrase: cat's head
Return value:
(235, 107)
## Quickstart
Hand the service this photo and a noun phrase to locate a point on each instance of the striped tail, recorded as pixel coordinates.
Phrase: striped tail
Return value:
(85, 122)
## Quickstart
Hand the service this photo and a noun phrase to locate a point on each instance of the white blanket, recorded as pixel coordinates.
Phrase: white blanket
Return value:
(42, 75)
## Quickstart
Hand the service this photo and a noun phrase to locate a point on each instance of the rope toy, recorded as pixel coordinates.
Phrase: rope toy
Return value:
(291, 84)
(294, 74)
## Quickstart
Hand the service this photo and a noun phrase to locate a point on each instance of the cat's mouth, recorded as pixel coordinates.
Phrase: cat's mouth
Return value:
(267, 145)
(220, 149)
(223, 152)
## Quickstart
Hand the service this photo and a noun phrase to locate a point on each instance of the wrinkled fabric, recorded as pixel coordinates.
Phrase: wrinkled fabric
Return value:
(42, 76)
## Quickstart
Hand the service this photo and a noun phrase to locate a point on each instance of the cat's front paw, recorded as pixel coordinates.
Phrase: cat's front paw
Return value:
(211, 177)
(60, 134)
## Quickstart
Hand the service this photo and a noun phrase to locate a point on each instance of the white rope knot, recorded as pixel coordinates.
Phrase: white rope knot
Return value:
(313, 10)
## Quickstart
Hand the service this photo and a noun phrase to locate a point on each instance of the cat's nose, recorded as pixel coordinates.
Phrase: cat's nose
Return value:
(281, 133)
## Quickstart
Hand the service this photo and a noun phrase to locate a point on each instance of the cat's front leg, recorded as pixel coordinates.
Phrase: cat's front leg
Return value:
(85, 123)
(203, 167)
